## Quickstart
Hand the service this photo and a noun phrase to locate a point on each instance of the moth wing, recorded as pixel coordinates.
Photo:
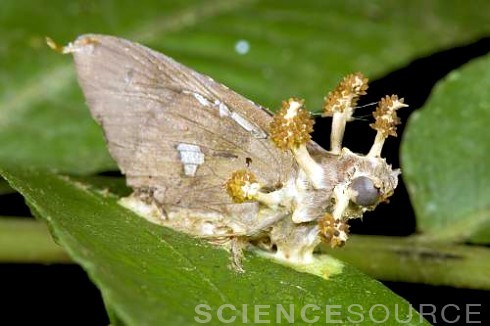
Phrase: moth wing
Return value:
(170, 128)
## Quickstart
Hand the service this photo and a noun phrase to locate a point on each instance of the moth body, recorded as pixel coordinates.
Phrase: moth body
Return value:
(204, 160)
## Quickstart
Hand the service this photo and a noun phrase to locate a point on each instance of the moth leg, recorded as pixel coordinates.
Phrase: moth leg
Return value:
(294, 242)
(237, 245)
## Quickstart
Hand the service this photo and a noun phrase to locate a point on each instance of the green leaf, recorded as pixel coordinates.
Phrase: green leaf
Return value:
(296, 49)
(445, 154)
(5, 188)
(149, 274)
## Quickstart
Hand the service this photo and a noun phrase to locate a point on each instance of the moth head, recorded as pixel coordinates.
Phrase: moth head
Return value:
(368, 190)
(366, 182)
(363, 191)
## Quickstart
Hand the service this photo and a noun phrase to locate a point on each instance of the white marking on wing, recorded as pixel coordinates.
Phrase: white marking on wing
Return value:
(248, 126)
(201, 99)
(191, 156)
(224, 111)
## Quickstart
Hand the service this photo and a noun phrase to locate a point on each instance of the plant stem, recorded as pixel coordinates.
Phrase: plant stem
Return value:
(25, 240)
(409, 259)
(401, 259)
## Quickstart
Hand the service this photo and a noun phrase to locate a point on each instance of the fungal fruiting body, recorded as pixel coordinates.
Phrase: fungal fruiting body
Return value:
(329, 187)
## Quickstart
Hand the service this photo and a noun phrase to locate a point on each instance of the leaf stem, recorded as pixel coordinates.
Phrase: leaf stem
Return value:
(410, 259)
(401, 259)
(24, 240)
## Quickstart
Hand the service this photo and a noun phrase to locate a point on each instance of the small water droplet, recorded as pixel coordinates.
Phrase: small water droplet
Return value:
(242, 47)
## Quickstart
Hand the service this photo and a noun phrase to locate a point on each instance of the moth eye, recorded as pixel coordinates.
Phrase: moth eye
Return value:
(365, 192)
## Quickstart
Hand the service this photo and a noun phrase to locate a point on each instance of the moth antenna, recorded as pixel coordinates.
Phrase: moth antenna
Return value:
(242, 186)
(322, 114)
(316, 114)
(366, 105)
(53, 45)
(291, 129)
(340, 104)
(363, 117)
(386, 121)
(70, 47)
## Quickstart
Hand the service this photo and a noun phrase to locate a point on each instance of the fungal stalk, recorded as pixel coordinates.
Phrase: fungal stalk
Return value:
(340, 104)
(385, 123)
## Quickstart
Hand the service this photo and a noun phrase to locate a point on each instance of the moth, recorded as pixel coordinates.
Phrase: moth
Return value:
(205, 160)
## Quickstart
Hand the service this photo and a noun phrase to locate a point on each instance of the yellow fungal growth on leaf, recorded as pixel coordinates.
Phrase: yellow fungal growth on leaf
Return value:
(346, 94)
(291, 125)
(386, 121)
(333, 232)
(242, 186)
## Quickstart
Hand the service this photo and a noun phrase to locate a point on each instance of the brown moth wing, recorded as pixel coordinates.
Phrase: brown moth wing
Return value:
(159, 115)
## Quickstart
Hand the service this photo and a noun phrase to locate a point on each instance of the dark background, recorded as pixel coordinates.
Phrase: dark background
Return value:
(55, 294)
